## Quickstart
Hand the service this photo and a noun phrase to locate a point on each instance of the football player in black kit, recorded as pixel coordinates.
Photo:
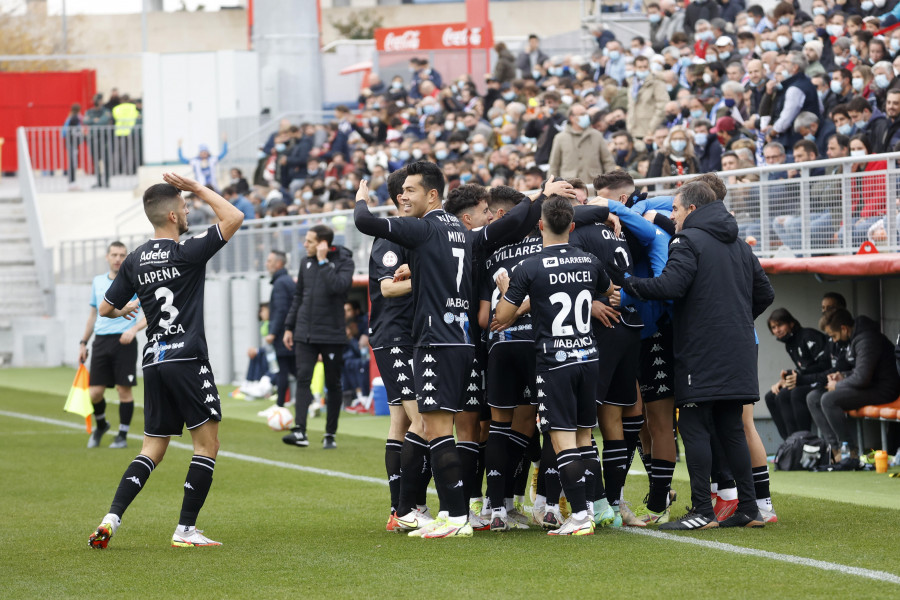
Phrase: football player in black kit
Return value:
(390, 335)
(562, 282)
(169, 279)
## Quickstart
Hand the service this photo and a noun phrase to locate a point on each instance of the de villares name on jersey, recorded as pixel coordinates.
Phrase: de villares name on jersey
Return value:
(169, 279)
(562, 281)
(507, 259)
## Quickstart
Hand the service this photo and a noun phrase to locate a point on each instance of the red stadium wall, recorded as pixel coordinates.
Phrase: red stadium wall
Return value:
(39, 100)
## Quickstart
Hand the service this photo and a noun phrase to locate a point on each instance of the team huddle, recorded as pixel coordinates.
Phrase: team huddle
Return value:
(526, 322)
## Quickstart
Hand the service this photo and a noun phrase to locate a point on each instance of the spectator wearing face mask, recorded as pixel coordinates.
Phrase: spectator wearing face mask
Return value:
(613, 61)
(672, 21)
(706, 146)
(703, 38)
(697, 10)
(647, 99)
(580, 150)
(676, 157)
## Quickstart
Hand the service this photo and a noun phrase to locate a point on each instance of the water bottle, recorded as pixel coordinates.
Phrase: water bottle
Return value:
(845, 451)
(272, 359)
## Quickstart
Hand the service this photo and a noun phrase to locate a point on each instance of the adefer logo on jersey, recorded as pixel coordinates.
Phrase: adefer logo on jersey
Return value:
(389, 259)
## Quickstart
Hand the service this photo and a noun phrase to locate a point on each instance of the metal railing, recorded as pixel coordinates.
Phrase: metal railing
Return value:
(79, 261)
(811, 208)
(43, 260)
(84, 157)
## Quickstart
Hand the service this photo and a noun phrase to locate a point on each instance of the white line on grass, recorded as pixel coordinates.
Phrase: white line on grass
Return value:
(721, 546)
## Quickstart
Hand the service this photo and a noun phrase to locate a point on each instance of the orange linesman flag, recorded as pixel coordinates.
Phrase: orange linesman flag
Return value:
(79, 401)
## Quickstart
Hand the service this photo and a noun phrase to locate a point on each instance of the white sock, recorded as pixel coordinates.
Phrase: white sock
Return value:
(713, 488)
(590, 507)
(508, 503)
(728, 494)
(457, 520)
(500, 511)
(539, 502)
(764, 504)
(580, 515)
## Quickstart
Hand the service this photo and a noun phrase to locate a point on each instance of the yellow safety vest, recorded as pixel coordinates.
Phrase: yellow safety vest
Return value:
(126, 116)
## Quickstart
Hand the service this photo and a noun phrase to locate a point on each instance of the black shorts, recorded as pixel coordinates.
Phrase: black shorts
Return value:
(474, 396)
(177, 394)
(619, 352)
(395, 365)
(567, 397)
(657, 372)
(440, 376)
(113, 363)
(511, 374)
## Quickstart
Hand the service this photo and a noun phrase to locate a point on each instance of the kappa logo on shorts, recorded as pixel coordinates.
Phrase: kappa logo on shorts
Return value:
(134, 479)
(203, 370)
(210, 398)
(658, 362)
(551, 471)
(402, 377)
(406, 391)
(429, 401)
(474, 373)
(539, 379)
(544, 423)
(662, 389)
(212, 411)
(541, 407)
(472, 387)
(206, 384)
(494, 473)
(472, 401)
(526, 393)
(582, 480)
(428, 373)
(396, 350)
(398, 364)
(660, 375)
(429, 359)
(588, 472)
(428, 387)
(541, 394)
(656, 348)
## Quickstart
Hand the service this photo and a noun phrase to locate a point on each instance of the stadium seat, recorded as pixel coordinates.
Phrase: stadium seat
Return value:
(889, 413)
(884, 413)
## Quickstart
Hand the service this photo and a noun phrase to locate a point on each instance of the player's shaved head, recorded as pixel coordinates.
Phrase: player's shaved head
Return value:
(159, 200)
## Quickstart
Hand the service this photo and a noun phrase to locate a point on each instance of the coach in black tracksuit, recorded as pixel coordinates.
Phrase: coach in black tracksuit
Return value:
(718, 288)
(809, 350)
(315, 325)
(283, 288)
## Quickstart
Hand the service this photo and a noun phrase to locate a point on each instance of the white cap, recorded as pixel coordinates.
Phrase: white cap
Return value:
(724, 41)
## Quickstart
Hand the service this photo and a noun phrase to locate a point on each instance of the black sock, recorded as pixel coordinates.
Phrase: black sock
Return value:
(479, 472)
(468, 464)
(631, 427)
(589, 459)
(424, 479)
(392, 451)
(520, 481)
(413, 465)
(552, 484)
(571, 473)
(100, 413)
(445, 465)
(615, 465)
(516, 465)
(126, 411)
(599, 488)
(133, 481)
(496, 463)
(196, 487)
(761, 482)
(647, 459)
(660, 484)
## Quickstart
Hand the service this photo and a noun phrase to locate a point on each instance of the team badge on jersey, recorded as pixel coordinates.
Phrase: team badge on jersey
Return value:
(389, 259)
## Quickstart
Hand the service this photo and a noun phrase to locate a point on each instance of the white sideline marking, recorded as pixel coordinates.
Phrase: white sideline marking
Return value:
(881, 576)
(788, 558)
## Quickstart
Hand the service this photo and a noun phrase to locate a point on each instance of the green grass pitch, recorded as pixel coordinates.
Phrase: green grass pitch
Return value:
(293, 533)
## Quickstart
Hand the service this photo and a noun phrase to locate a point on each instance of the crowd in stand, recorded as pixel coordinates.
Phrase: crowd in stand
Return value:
(717, 86)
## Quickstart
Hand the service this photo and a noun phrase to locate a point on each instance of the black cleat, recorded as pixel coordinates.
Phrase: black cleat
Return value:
(739, 519)
(692, 521)
(296, 438)
(94, 440)
(328, 443)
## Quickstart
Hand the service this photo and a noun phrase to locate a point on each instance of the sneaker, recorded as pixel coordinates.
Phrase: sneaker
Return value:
(768, 516)
(604, 515)
(617, 517)
(392, 524)
(519, 506)
(476, 505)
(100, 538)
(94, 440)
(296, 438)
(652, 518)
(739, 519)
(691, 521)
(191, 537)
(121, 440)
(629, 519)
(499, 522)
(574, 526)
(517, 519)
(477, 523)
(328, 443)
(537, 515)
(552, 518)
(415, 519)
(448, 530)
(429, 526)
(725, 508)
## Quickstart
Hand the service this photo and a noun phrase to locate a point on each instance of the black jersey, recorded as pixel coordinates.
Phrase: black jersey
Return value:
(390, 319)
(615, 255)
(441, 263)
(562, 282)
(505, 260)
(169, 279)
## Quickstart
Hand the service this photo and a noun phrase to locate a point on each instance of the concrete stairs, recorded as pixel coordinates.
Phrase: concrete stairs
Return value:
(20, 292)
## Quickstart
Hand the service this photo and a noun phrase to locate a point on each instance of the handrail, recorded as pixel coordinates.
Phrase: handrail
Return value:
(42, 262)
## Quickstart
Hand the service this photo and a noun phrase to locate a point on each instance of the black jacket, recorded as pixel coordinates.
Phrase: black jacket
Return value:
(317, 311)
(808, 348)
(718, 288)
(283, 288)
(874, 369)
(544, 130)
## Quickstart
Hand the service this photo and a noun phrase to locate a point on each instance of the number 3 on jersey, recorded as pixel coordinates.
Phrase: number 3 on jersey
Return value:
(168, 307)
(582, 313)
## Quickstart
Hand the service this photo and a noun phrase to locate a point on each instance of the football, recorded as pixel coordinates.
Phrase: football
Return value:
(280, 419)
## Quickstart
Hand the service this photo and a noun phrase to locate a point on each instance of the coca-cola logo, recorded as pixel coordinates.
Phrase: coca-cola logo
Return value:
(408, 40)
(460, 38)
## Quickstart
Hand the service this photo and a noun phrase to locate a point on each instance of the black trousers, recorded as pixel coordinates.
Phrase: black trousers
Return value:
(287, 365)
(697, 423)
(789, 410)
(333, 359)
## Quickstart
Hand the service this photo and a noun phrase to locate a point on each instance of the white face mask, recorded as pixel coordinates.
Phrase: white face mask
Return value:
(857, 153)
